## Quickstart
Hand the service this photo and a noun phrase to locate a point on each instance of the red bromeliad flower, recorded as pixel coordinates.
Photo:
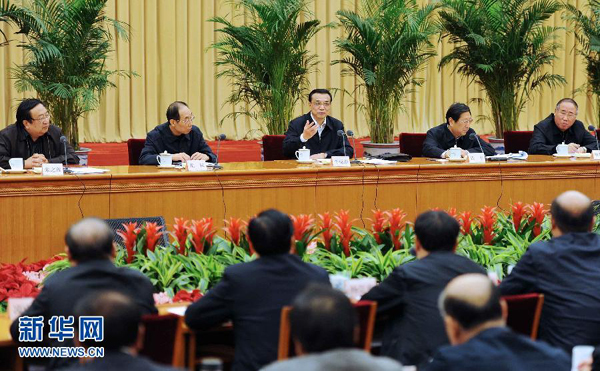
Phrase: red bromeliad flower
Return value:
(538, 213)
(466, 220)
(488, 220)
(14, 284)
(129, 236)
(326, 225)
(202, 233)
(152, 234)
(378, 223)
(181, 233)
(184, 295)
(396, 220)
(303, 223)
(452, 212)
(518, 210)
(234, 227)
(344, 225)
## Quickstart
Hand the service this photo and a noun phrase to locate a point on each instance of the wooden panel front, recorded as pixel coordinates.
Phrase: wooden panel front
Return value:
(36, 211)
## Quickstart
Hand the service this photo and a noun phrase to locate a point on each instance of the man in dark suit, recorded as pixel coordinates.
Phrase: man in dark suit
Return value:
(178, 136)
(456, 131)
(122, 336)
(566, 270)
(252, 294)
(90, 249)
(475, 319)
(317, 131)
(561, 126)
(407, 298)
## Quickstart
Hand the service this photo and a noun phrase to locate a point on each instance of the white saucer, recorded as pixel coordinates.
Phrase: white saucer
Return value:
(37, 170)
(457, 159)
(583, 155)
(305, 161)
(563, 156)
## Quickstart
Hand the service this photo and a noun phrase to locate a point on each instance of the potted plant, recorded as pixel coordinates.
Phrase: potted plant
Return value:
(267, 60)
(385, 43)
(505, 47)
(587, 32)
(66, 51)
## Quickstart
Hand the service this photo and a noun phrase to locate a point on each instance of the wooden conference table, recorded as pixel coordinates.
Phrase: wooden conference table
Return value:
(36, 211)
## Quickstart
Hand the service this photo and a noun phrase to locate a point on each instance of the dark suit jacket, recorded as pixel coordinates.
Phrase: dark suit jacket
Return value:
(409, 297)
(566, 270)
(118, 361)
(499, 349)
(329, 143)
(252, 295)
(546, 136)
(64, 289)
(161, 139)
(439, 139)
(16, 142)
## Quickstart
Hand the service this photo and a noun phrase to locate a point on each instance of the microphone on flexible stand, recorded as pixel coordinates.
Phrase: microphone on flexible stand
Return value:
(219, 139)
(474, 136)
(63, 140)
(593, 128)
(350, 134)
(341, 134)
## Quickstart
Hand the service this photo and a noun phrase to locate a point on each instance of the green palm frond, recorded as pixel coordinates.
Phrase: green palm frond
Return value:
(587, 32)
(68, 42)
(386, 42)
(504, 46)
(266, 59)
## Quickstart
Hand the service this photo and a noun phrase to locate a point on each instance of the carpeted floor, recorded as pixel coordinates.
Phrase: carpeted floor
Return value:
(106, 154)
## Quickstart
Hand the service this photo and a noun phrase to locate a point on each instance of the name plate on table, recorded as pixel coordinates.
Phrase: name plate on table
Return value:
(340, 161)
(596, 154)
(476, 158)
(52, 169)
(196, 165)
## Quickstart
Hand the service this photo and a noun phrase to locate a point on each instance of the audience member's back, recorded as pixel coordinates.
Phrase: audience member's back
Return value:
(252, 294)
(566, 270)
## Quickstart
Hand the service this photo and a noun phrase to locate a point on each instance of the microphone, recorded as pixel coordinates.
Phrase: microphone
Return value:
(593, 128)
(341, 134)
(350, 133)
(474, 136)
(63, 140)
(219, 139)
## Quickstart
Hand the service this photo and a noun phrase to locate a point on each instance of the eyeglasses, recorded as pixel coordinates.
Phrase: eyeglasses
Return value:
(188, 120)
(465, 121)
(319, 104)
(42, 117)
(569, 115)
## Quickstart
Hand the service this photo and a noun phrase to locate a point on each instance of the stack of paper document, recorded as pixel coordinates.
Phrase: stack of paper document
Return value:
(377, 161)
(85, 170)
(522, 155)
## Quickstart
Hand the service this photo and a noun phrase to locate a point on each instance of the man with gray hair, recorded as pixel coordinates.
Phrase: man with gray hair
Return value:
(561, 126)
(475, 320)
(566, 270)
(91, 251)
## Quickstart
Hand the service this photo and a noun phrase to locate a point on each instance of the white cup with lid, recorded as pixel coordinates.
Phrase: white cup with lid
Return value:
(165, 159)
(455, 153)
(303, 154)
(562, 149)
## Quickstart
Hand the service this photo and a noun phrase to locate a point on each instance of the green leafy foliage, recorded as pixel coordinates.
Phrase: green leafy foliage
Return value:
(505, 47)
(266, 59)
(386, 42)
(68, 42)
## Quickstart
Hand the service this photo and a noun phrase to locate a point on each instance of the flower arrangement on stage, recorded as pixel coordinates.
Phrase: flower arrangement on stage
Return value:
(197, 255)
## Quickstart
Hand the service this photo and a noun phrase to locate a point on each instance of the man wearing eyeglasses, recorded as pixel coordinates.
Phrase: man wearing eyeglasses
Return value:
(178, 137)
(560, 127)
(317, 131)
(33, 138)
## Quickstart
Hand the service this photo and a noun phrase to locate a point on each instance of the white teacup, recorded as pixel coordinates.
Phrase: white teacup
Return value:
(16, 163)
(455, 153)
(165, 159)
(562, 149)
(303, 154)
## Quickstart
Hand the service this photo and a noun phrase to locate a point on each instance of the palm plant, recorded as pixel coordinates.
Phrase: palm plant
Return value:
(68, 42)
(267, 60)
(587, 32)
(503, 46)
(385, 43)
